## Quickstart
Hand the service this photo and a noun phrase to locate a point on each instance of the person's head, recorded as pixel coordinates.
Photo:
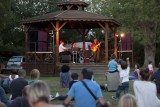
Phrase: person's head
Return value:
(95, 40)
(2, 104)
(62, 42)
(150, 62)
(144, 74)
(35, 74)
(74, 76)
(119, 61)
(127, 100)
(65, 68)
(124, 65)
(86, 74)
(22, 73)
(38, 92)
(14, 71)
(137, 66)
(113, 56)
(73, 44)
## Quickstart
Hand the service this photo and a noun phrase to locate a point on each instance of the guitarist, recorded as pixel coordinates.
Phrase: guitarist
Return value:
(95, 47)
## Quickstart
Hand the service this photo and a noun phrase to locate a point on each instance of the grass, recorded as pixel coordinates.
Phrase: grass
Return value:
(54, 86)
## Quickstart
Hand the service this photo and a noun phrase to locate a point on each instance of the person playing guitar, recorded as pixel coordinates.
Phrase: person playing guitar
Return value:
(95, 47)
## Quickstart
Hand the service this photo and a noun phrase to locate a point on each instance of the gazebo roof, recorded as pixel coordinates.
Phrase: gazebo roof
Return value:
(72, 12)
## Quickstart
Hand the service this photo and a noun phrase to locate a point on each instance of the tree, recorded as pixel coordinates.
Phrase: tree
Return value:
(140, 17)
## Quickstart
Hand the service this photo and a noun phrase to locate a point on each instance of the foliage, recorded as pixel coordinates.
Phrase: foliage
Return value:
(12, 12)
(140, 17)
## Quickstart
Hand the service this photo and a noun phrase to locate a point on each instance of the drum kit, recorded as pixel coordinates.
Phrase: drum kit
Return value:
(77, 55)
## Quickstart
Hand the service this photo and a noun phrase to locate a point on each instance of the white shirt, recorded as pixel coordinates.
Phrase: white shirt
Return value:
(146, 94)
(150, 67)
(61, 48)
(125, 74)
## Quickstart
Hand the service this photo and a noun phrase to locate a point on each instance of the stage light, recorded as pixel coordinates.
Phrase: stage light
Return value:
(122, 34)
(116, 35)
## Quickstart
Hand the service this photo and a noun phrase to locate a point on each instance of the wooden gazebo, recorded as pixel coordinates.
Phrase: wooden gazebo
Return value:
(72, 15)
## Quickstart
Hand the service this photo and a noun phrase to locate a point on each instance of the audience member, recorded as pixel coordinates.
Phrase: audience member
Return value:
(35, 74)
(150, 67)
(38, 95)
(18, 84)
(74, 77)
(135, 75)
(65, 76)
(7, 81)
(3, 97)
(145, 91)
(112, 74)
(124, 79)
(20, 101)
(127, 100)
(156, 78)
(80, 93)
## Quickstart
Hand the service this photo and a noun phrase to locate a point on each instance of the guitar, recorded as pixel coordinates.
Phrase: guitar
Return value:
(94, 49)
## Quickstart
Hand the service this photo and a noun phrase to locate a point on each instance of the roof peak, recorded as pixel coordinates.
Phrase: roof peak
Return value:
(72, 5)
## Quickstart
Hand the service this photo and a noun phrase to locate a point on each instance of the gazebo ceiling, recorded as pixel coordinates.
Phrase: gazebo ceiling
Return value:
(75, 19)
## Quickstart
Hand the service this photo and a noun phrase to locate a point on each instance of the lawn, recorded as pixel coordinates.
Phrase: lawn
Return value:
(54, 86)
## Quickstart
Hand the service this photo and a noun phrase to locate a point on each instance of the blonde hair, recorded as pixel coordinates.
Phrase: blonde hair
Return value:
(127, 100)
(35, 74)
(38, 92)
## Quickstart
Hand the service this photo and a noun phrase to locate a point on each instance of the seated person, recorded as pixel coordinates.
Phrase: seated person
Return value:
(7, 81)
(74, 77)
(38, 95)
(65, 76)
(156, 78)
(35, 74)
(21, 101)
(18, 84)
(135, 75)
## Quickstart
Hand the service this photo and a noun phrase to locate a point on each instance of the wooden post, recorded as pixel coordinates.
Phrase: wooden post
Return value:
(106, 42)
(106, 30)
(26, 28)
(57, 41)
(57, 28)
(115, 43)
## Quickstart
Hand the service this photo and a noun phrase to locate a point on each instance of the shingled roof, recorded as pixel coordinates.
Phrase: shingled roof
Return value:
(72, 11)
(69, 15)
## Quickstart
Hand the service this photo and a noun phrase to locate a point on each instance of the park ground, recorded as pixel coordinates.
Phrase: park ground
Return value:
(54, 86)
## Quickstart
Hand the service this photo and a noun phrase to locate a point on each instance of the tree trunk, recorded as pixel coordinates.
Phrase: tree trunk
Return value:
(150, 50)
(150, 44)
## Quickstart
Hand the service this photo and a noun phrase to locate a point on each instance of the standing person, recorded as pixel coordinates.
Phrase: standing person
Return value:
(124, 79)
(156, 78)
(127, 100)
(80, 93)
(38, 95)
(145, 91)
(18, 84)
(65, 76)
(150, 67)
(95, 47)
(112, 74)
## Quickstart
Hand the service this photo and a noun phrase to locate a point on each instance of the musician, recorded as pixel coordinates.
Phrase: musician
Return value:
(61, 47)
(95, 47)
